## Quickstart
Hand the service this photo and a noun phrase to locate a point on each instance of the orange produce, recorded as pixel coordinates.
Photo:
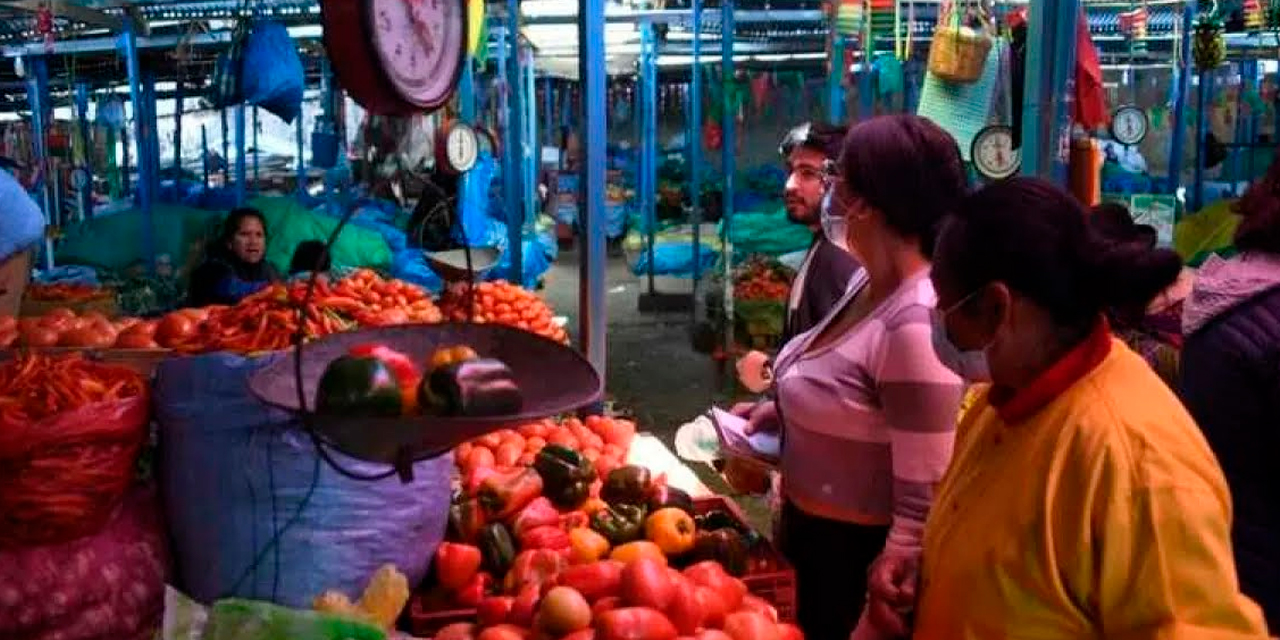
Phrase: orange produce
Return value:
(503, 303)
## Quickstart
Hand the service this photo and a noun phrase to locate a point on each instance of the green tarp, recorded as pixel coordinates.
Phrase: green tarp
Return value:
(289, 223)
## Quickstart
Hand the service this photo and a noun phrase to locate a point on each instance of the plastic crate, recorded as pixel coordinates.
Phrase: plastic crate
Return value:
(776, 583)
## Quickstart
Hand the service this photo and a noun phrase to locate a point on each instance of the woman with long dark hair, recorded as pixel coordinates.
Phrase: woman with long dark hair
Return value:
(236, 262)
(1082, 501)
(866, 410)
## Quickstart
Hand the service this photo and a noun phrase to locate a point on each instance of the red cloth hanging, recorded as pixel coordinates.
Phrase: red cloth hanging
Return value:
(1090, 107)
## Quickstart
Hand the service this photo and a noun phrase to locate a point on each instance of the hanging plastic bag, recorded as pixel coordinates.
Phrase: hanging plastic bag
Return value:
(271, 75)
(226, 88)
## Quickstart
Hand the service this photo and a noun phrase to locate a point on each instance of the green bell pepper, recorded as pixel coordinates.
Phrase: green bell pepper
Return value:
(566, 476)
(619, 523)
(497, 548)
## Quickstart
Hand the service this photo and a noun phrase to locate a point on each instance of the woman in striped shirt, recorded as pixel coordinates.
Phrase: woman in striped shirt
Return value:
(867, 410)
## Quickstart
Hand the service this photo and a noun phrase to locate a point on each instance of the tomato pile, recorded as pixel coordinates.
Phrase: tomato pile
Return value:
(37, 386)
(603, 440)
(761, 280)
(642, 599)
(65, 292)
(503, 303)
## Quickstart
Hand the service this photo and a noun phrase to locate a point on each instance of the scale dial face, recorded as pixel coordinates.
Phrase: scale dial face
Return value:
(462, 147)
(421, 45)
(1129, 125)
(993, 154)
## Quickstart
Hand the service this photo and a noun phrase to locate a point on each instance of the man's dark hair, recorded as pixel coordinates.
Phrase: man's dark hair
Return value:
(818, 136)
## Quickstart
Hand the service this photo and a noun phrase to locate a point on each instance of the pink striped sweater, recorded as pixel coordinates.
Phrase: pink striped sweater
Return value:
(870, 416)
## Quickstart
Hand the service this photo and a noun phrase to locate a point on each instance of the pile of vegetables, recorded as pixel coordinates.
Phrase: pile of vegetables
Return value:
(62, 327)
(602, 440)
(760, 279)
(35, 386)
(503, 303)
(639, 599)
(66, 292)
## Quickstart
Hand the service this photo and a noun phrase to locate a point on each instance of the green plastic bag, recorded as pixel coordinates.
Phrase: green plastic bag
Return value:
(250, 620)
(289, 223)
(115, 241)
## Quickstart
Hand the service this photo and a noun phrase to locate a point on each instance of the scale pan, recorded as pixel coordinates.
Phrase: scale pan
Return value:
(552, 377)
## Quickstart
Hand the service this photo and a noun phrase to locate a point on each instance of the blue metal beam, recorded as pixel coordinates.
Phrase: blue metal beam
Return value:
(256, 153)
(694, 143)
(1203, 90)
(835, 80)
(648, 101)
(299, 162)
(38, 97)
(204, 155)
(513, 133)
(177, 127)
(728, 166)
(241, 144)
(1050, 73)
(592, 320)
(128, 43)
(84, 197)
(1182, 84)
(532, 156)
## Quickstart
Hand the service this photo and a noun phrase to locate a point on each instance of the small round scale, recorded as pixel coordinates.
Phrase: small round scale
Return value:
(458, 149)
(1129, 125)
(993, 154)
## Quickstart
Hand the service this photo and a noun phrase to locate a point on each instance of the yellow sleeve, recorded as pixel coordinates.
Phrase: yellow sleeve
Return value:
(1165, 569)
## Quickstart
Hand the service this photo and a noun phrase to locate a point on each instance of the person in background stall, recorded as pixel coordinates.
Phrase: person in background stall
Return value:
(310, 256)
(1082, 500)
(21, 228)
(865, 410)
(235, 264)
(1230, 382)
(809, 151)
(1152, 328)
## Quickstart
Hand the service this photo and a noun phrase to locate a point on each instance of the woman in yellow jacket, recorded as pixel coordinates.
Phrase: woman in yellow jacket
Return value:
(1082, 500)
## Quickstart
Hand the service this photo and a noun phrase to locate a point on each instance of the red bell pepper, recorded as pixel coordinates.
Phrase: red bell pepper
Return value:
(548, 537)
(539, 513)
(574, 520)
(473, 592)
(456, 564)
(504, 495)
(494, 610)
(475, 478)
(533, 566)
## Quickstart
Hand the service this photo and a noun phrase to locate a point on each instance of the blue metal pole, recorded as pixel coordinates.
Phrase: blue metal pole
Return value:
(648, 140)
(548, 113)
(204, 155)
(467, 92)
(151, 160)
(177, 130)
(532, 145)
(1046, 105)
(591, 283)
(299, 163)
(513, 171)
(256, 152)
(835, 80)
(241, 169)
(226, 148)
(38, 97)
(727, 163)
(695, 156)
(867, 84)
(1203, 91)
(129, 42)
(1182, 81)
(85, 196)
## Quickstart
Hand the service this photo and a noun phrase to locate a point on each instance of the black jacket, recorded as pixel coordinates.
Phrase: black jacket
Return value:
(827, 277)
(1230, 382)
(225, 279)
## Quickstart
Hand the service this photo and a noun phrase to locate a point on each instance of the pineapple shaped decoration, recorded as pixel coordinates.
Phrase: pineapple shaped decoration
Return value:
(1208, 47)
(1253, 16)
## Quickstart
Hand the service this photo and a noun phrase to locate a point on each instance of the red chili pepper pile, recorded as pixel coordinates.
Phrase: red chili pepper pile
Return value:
(38, 386)
(760, 280)
(65, 292)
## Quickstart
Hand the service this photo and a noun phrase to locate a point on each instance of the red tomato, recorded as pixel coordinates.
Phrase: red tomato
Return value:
(645, 583)
(710, 574)
(508, 454)
(594, 581)
(504, 632)
(563, 611)
(712, 634)
(38, 336)
(712, 606)
(473, 592)
(457, 631)
(685, 612)
(787, 632)
(534, 444)
(494, 610)
(525, 605)
(174, 329)
(749, 625)
(584, 634)
(759, 605)
(605, 604)
(606, 463)
(456, 564)
(8, 323)
(634, 623)
(480, 457)
(562, 437)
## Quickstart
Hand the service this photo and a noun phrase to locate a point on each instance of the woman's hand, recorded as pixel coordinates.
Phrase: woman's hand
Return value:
(891, 593)
(763, 418)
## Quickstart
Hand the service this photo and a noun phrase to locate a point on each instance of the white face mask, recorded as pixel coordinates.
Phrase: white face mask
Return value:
(970, 365)
(834, 225)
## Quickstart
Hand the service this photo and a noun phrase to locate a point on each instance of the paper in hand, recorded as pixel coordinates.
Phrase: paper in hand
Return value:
(764, 447)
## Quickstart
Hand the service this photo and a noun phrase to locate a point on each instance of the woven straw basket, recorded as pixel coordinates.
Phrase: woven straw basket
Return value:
(958, 54)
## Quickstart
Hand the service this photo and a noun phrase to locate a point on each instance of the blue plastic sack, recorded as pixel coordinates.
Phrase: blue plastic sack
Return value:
(69, 274)
(675, 258)
(235, 476)
(538, 254)
(272, 76)
(22, 222)
(410, 265)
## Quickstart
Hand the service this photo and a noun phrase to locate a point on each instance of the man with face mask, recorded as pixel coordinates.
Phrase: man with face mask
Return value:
(808, 151)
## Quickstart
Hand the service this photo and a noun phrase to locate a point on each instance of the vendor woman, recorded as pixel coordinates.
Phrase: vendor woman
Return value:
(236, 264)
